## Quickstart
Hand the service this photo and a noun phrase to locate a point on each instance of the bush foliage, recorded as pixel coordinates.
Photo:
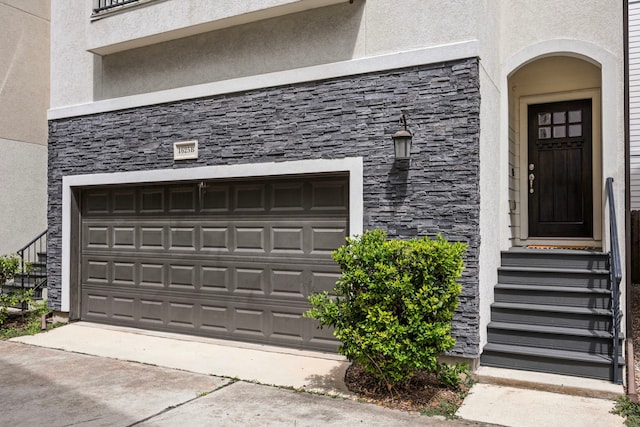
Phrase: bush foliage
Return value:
(10, 266)
(393, 304)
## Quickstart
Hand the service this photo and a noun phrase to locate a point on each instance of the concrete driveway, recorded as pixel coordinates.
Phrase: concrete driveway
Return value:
(50, 387)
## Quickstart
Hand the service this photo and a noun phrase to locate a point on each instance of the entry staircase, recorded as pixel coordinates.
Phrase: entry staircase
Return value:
(557, 311)
(33, 273)
(553, 313)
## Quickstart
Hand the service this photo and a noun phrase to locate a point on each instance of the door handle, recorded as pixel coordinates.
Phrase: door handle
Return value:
(531, 178)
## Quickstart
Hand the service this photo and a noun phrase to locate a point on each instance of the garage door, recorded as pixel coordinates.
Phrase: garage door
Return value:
(225, 259)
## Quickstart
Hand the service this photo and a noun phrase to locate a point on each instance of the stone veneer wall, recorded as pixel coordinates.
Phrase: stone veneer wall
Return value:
(337, 118)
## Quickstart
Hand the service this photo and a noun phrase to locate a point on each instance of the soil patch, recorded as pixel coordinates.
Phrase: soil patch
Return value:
(421, 393)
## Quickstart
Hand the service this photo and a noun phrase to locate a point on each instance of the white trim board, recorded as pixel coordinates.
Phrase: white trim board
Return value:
(352, 165)
(449, 52)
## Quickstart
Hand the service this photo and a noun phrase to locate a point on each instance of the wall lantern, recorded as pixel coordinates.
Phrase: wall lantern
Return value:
(402, 141)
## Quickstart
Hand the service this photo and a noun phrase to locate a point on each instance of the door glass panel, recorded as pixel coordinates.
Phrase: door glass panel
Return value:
(544, 133)
(544, 118)
(559, 131)
(559, 117)
(575, 116)
(575, 130)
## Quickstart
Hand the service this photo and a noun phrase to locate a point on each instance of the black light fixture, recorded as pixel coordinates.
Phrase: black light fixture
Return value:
(402, 141)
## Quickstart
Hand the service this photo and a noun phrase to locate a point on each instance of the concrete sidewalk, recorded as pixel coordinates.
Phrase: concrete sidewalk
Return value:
(318, 372)
(48, 387)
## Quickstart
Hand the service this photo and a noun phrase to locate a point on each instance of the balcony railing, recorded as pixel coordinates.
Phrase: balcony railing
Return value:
(104, 5)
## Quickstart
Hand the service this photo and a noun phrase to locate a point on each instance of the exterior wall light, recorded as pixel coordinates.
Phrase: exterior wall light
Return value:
(402, 141)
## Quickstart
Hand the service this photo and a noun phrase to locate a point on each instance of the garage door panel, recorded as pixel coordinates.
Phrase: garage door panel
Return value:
(249, 322)
(150, 311)
(124, 201)
(182, 277)
(152, 238)
(287, 240)
(323, 280)
(214, 318)
(289, 283)
(214, 278)
(182, 200)
(152, 201)
(287, 326)
(249, 198)
(124, 237)
(215, 238)
(257, 321)
(96, 306)
(249, 239)
(183, 238)
(181, 315)
(275, 238)
(97, 203)
(234, 259)
(326, 239)
(249, 281)
(289, 196)
(123, 308)
(215, 199)
(95, 271)
(152, 275)
(96, 237)
(284, 279)
(331, 195)
(124, 273)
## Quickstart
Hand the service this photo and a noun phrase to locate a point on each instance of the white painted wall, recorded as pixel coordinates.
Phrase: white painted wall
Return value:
(24, 98)
(23, 193)
(319, 36)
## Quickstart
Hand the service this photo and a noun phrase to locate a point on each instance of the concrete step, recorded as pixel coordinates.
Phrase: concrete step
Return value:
(553, 295)
(590, 279)
(555, 258)
(552, 337)
(552, 315)
(554, 383)
(550, 360)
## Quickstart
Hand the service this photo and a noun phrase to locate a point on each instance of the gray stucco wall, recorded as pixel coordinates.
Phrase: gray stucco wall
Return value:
(344, 117)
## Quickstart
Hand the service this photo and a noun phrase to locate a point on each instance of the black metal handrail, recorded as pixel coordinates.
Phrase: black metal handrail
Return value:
(615, 272)
(110, 4)
(30, 267)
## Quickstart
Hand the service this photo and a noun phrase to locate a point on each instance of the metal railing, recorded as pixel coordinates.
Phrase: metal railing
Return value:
(32, 270)
(110, 4)
(615, 273)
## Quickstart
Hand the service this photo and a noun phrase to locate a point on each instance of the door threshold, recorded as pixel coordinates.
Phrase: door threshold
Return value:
(573, 247)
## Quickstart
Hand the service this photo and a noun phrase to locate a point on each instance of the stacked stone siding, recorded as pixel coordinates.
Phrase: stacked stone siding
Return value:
(353, 116)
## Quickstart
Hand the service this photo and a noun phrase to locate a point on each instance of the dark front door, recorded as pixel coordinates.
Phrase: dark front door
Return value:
(560, 170)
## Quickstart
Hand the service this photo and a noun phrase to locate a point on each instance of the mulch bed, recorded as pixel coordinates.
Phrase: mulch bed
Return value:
(418, 393)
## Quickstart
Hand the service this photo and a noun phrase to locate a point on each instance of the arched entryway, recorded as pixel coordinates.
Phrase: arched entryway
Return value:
(555, 154)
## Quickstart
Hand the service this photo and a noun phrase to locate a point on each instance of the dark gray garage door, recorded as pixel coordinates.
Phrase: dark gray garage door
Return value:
(226, 259)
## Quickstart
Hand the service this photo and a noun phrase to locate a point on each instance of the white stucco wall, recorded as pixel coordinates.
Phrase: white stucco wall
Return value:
(24, 99)
(23, 193)
(369, 28)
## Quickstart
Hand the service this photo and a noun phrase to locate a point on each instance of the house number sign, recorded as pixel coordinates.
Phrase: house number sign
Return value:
(185, 150)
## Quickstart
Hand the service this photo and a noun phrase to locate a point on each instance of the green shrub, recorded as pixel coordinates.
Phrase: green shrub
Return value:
(393, 304)
(628, 409)
(10, 266)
